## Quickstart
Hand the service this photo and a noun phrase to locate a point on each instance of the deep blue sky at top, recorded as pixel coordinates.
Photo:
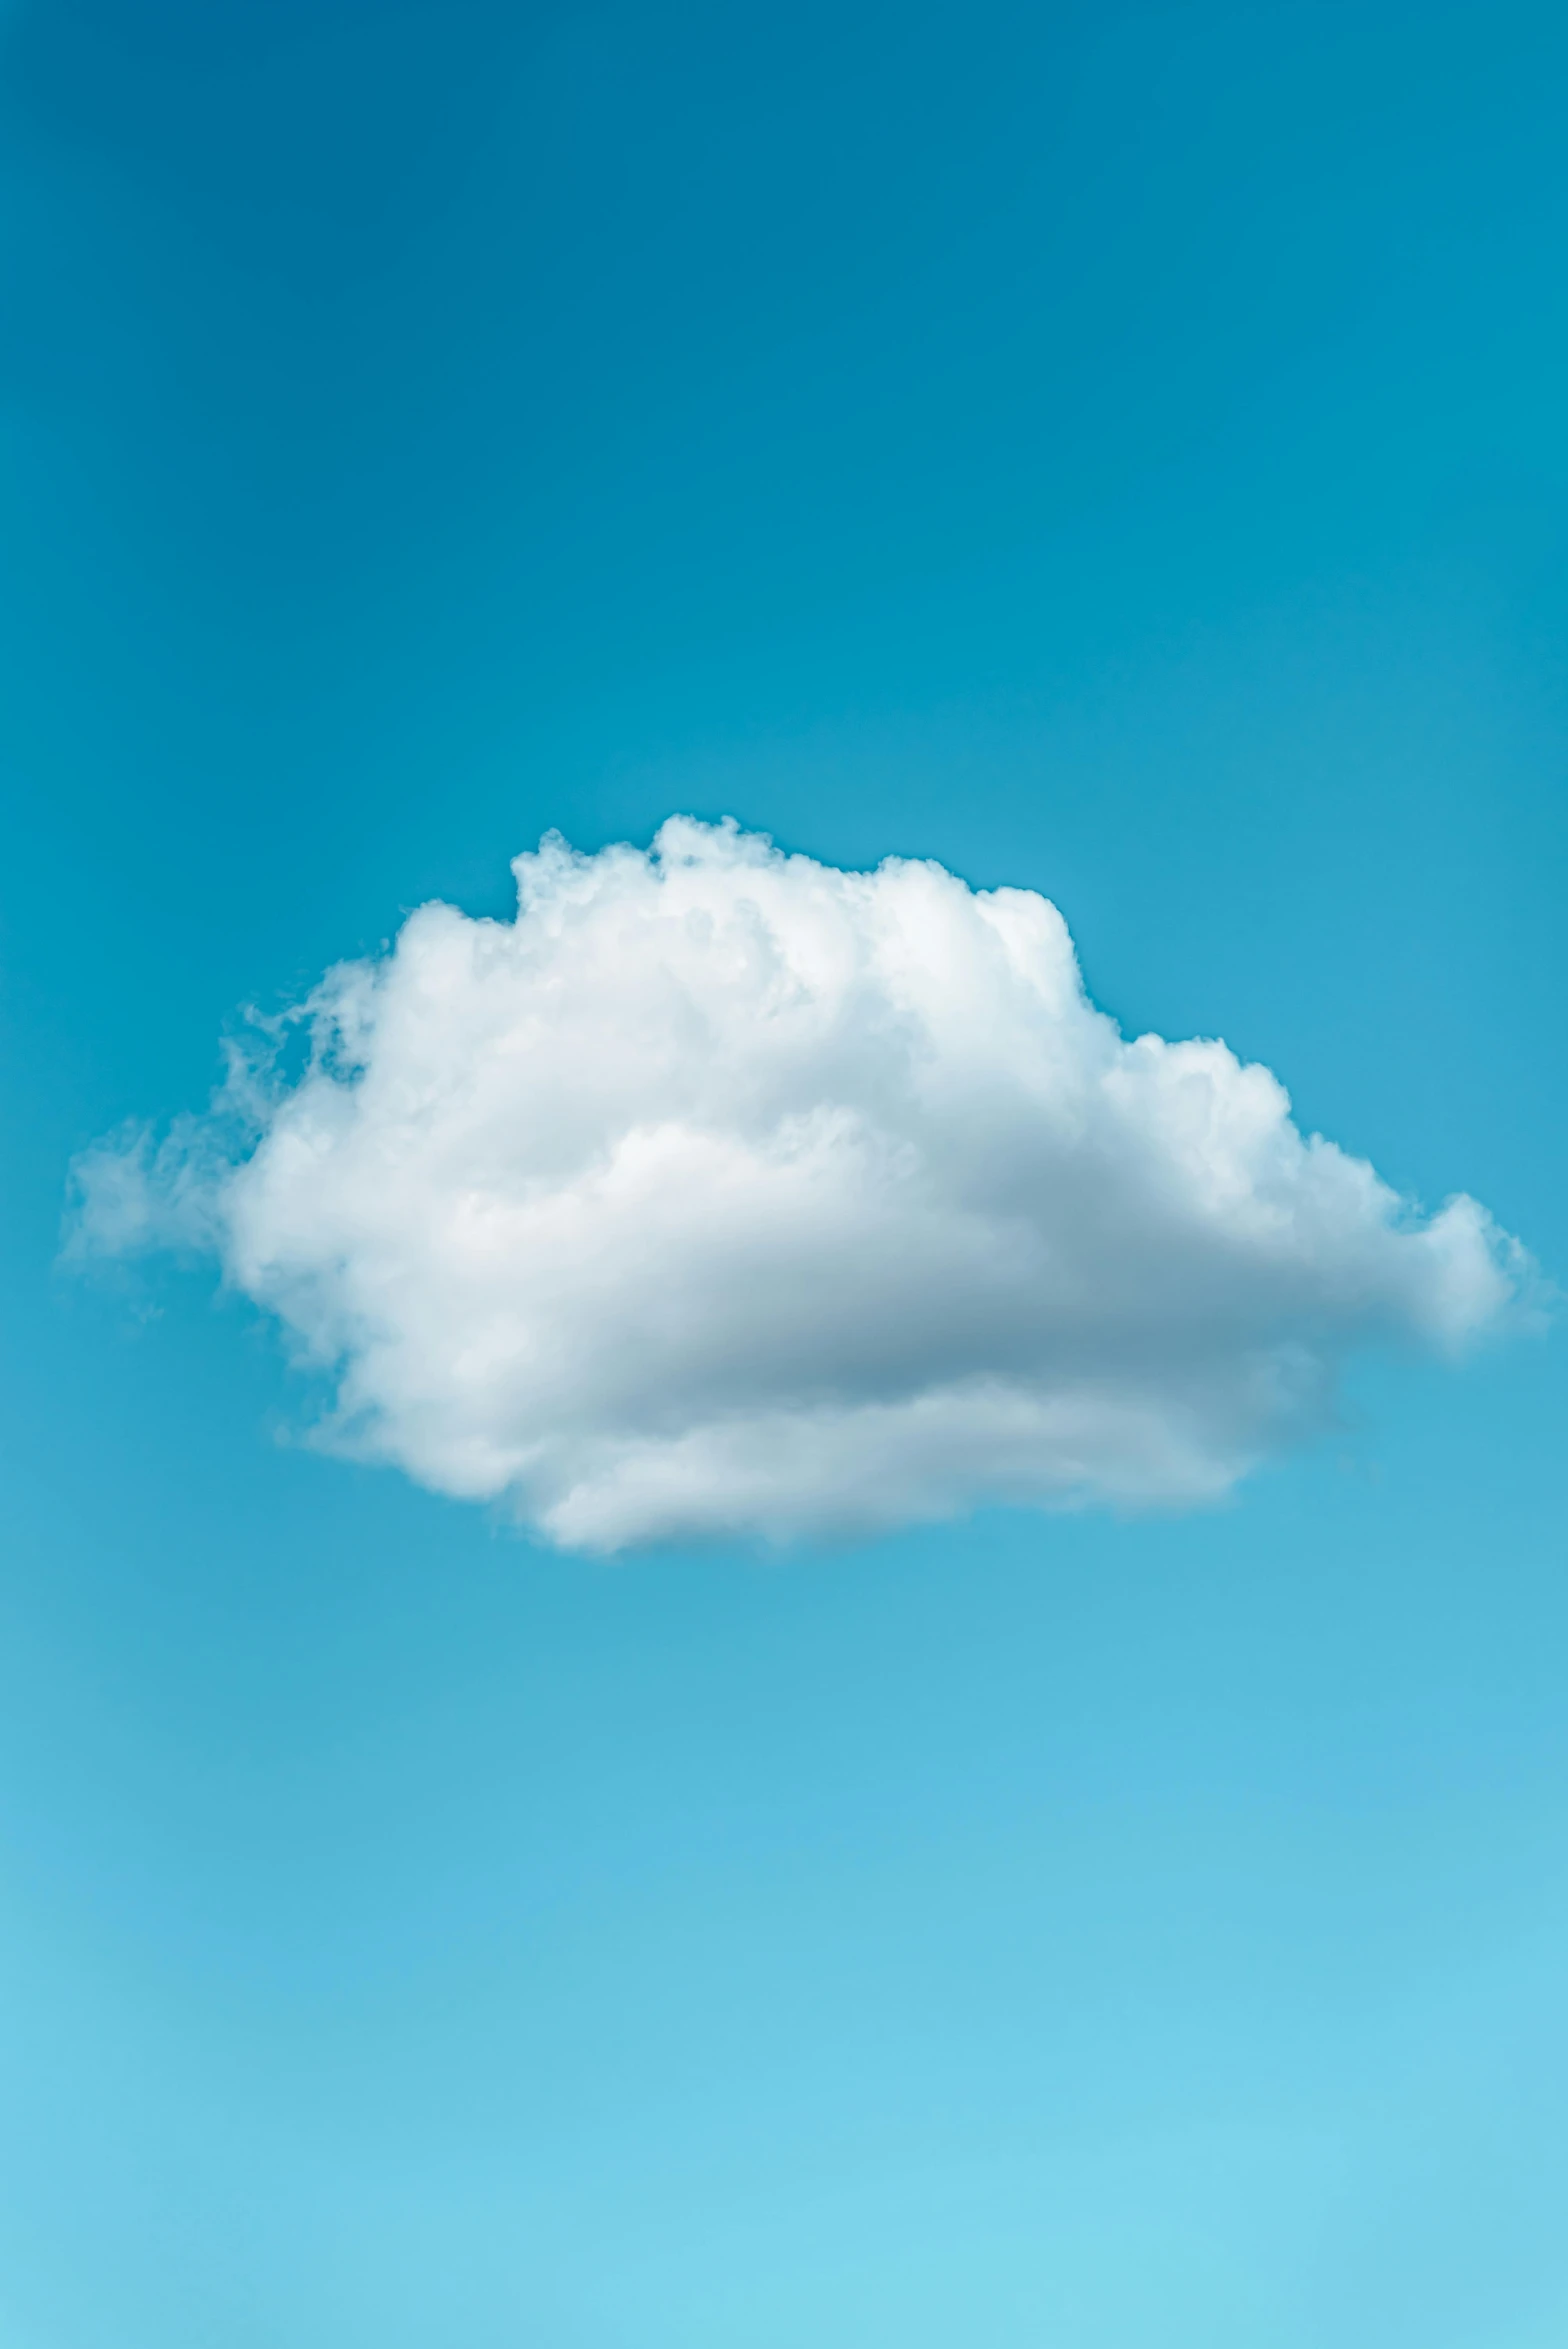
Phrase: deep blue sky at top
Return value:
(1119, 451)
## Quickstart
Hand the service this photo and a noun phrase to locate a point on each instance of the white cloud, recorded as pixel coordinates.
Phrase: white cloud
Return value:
(725, 1192)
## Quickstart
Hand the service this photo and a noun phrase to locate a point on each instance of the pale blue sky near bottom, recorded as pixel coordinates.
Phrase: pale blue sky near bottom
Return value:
(1116, 452)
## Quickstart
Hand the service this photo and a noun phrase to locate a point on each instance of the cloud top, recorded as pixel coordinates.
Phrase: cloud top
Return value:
(723, 1192)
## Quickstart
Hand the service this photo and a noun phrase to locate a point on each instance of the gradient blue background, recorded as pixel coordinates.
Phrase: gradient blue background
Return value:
(1118, 450)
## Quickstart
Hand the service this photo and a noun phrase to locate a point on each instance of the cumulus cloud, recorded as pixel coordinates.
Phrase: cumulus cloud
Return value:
(724, 1192)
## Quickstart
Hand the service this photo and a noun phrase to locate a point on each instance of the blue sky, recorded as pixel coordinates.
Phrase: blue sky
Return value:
(1117, 453)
